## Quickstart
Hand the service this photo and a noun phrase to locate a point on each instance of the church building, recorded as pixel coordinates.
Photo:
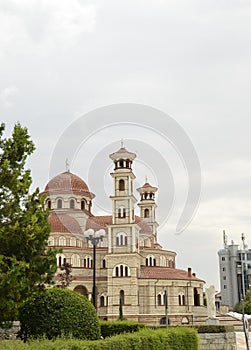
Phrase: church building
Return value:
(133, 271)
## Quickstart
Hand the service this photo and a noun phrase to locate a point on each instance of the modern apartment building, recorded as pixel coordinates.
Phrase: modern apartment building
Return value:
(235, 271)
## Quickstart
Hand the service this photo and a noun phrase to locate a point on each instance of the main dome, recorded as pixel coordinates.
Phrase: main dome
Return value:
(67, 182)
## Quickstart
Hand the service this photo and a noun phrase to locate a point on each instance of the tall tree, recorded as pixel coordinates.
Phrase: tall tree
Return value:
(247, 304)
(25, 263)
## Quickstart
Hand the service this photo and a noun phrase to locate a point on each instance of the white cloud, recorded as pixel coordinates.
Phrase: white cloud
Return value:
(7, 94)
(44, 26)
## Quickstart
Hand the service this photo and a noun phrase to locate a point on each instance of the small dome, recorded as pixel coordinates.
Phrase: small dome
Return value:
(68, 182)
(63, 223)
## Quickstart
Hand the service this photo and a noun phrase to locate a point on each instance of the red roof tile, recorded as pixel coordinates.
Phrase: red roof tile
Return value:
(63, 223)
(155, 272)
(67, 182)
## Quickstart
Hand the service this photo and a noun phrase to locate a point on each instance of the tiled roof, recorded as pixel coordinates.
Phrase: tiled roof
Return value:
(63, 223)
(66, 182)
(156, 272)
(98, 222)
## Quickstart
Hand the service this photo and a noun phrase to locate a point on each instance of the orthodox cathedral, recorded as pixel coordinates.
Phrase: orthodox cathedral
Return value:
(132, 270)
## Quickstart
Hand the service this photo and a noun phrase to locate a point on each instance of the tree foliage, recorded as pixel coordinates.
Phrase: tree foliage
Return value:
(25, 264)
(247, 304)
(65, 277)
(59, 312)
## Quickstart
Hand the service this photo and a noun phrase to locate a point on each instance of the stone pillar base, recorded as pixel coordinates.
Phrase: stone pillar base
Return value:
(212, 321)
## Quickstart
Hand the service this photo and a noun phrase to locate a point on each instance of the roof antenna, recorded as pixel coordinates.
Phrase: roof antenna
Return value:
(224, 239)
(243, 241)
(146, 178)
(122, 143)
(67, 165)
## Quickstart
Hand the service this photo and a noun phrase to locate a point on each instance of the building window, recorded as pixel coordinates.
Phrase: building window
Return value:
(122, 297)
(82, 204)
(62, 241)
(181, 299)
(146, 213)
(121, 271)
(102, 301)
(75, 260)
(223, 269)
(61, 260)
(224, 278)
(59, 204)
(88, 262)
(223, 258)
(104, 264)
(121, 185)
(225, 286)
(49, 204)
(196, 297)
(121, 239)
(150, 261)
(72, 204)
(122, 212)
(159, 299)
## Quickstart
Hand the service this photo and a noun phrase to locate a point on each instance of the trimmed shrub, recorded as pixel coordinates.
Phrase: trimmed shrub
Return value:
(58, 312)
(110, 328)
(174, 338)
(213, 328)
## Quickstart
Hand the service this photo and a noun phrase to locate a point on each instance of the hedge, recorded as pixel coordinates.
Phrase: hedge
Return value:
(110, 328)
(217, 328)
(174, 338)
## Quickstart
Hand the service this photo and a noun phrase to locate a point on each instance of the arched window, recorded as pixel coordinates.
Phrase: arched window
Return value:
(122, 212)
(59, 204)
(121, 239)
(88, 262)
(122, 297)
(49, 204)
(146, 213)
(62, 241)
(121, 185)
(121, 163)
(121, 271)
(73, 242)
(159, 299)
(104, 263)
(82, 204)
(61, 260)
(196, 297)
(150, 260)
(102, 301)
(72, 204)
(75, 260)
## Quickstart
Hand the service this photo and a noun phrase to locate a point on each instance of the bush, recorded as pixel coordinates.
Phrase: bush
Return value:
(56, 312)
(174, 338)
(109, 328)
(206, 328)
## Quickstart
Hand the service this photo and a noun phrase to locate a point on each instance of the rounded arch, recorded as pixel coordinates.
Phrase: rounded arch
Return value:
(146, 213)
(72, 203)
(81, 290)
(62, 241)
(59, 203)
(121, 185)
(121, 271)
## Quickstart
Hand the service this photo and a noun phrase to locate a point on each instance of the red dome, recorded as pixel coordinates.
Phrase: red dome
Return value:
(67, 182)
(63, 223)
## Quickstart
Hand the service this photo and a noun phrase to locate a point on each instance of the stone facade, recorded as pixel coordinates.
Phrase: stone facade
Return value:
(217, 341)
(131, 266)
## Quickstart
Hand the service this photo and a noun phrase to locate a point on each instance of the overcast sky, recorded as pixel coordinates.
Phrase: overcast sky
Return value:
(60, 59)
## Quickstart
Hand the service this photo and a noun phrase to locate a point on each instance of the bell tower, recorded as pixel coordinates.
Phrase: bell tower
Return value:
(123, 232)
(147, 206)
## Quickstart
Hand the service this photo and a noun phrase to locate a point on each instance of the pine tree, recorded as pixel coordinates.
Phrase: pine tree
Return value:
(25, 263)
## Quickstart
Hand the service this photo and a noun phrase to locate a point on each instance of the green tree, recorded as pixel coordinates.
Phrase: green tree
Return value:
(25, 264)
(247, 305)
(65, 277)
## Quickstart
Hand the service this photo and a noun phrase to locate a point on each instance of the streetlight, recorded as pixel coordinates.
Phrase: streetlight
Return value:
(94, 238)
